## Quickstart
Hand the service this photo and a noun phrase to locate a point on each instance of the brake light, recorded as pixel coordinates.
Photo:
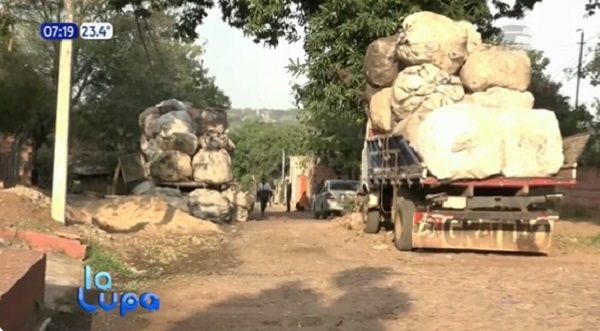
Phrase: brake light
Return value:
(329, 196)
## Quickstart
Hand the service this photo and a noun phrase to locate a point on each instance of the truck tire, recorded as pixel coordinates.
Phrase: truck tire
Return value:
(404, 211)
(372, 221)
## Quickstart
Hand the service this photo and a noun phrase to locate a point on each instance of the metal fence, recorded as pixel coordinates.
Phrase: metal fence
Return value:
(9, 166)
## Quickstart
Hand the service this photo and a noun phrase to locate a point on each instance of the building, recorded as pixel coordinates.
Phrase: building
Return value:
(517, 35)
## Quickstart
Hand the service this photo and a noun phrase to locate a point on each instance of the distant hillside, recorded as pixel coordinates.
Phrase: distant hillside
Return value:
(237, 116)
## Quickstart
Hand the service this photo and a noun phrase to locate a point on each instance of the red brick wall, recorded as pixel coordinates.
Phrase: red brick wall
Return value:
(587, 192)
(22, 283)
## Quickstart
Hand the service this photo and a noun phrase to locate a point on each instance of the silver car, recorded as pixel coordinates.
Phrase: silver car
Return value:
(333, 197)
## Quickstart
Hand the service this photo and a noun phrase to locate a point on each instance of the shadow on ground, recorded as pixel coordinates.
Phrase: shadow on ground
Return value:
(278, 213)
(364, 305)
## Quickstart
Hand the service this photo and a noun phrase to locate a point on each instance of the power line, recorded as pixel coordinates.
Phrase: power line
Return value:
(573, 62)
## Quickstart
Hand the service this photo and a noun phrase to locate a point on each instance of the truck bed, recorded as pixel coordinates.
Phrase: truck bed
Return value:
(392, 160)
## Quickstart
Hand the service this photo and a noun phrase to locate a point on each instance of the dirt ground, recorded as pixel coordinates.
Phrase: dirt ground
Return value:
(290, 272)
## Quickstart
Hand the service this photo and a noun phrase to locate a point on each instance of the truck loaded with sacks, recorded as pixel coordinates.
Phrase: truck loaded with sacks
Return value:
(456, 156)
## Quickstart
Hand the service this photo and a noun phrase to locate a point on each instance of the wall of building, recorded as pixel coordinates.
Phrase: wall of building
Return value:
(306, 175)
(586, 193)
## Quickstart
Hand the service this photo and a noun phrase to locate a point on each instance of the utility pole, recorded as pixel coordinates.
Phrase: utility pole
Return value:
(579, 64)
(61, 135)
(283, 184)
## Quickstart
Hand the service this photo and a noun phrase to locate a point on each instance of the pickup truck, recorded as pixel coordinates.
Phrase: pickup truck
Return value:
(495, 214)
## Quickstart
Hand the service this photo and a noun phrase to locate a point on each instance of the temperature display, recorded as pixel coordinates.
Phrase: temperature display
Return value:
(96, 31)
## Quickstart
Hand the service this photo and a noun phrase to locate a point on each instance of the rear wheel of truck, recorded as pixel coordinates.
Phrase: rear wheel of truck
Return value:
(404, 211)
(372, 221)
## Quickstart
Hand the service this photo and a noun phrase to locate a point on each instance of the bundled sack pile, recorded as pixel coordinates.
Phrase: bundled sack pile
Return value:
(182, 143)
(462, 105)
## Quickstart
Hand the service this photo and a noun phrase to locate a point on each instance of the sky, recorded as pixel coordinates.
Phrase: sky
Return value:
(255, 77)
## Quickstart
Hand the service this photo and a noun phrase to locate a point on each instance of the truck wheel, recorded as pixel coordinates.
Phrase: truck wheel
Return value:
(404, 211)
(372, 221)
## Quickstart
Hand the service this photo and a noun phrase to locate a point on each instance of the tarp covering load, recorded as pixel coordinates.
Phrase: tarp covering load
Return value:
(423, 88)
(428, 37)
(530, 150)
(496, 66)
(467, 142)
(499, 97)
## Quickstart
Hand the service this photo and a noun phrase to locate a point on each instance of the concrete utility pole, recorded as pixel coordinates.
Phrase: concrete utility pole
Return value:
(61, 135)
(579, 64)
(283, 184)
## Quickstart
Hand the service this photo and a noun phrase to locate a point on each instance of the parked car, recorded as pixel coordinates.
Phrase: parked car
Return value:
(333, 197)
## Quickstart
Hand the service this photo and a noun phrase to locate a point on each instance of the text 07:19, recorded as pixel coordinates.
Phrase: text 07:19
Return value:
(96, 31)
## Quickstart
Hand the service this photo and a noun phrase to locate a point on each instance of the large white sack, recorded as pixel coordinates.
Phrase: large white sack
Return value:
(212, 167)
(427, 37)
(210, 120)
(532, 140)
(148, 122)
(380, 110)
(461, 141)
(473, 37)
(409, 127)
(210, 205)
(423, 88)
(171, 166)
(171, 105)
(179, 141)
(496, 66)
(500, 97)
(381, 65)
(176, 122)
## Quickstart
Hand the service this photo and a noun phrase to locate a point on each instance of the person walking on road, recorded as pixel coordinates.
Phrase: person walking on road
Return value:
(288, 195)
(264, 193)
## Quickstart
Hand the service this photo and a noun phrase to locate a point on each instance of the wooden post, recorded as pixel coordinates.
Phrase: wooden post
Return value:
(61, 136)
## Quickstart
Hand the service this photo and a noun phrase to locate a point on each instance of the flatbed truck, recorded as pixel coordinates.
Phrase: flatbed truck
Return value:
(493, 214)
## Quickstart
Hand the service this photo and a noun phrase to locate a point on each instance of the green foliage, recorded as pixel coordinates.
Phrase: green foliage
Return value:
(269, 21)
(547, 96)
(337, 37)
(129, 77)
(113, 81)
(259, 146)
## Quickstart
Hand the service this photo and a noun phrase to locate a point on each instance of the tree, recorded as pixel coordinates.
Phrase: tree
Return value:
(258, 148)
(591, 70)
(270, 21)
(138, 69)
(113, 81)
(547, 96)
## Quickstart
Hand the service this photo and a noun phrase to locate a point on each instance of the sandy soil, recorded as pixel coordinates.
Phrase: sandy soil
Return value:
(289, 272)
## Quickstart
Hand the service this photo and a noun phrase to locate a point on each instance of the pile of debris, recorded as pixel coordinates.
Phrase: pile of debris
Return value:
(462, 105)
(186, 145)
